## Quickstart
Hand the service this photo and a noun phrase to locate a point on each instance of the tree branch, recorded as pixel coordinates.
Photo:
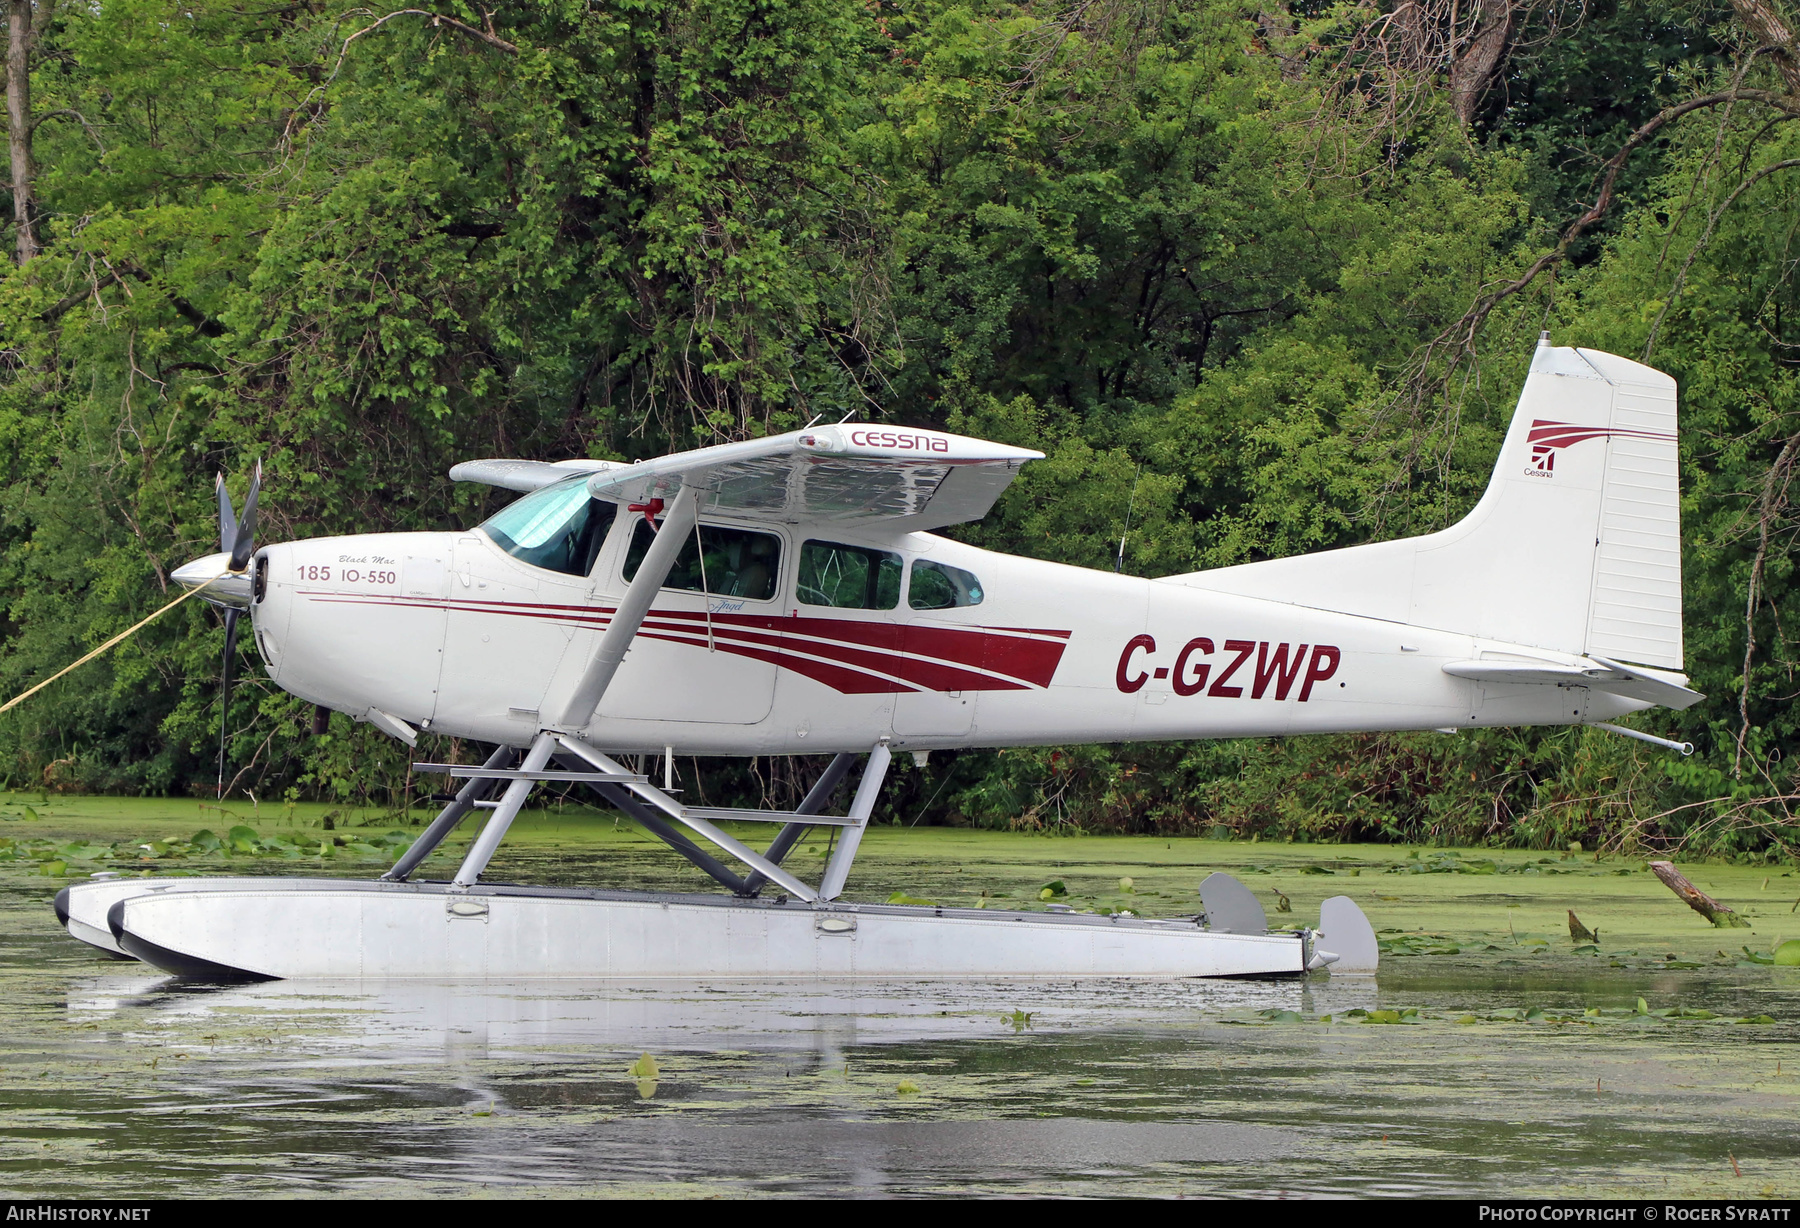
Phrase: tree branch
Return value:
(1473, 318)
(1700, 245)
(1696, 899)
(52, 314)
(439, 19)
(91, 130)
(204, 324)
(1773, 501)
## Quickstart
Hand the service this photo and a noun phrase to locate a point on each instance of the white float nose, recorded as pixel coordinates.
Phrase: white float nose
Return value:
(232, 590)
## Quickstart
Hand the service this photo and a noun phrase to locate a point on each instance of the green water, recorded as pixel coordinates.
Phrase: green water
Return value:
(1520, 1064)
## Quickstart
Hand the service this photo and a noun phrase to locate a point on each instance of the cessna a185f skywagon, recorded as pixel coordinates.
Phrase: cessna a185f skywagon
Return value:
(787, 596)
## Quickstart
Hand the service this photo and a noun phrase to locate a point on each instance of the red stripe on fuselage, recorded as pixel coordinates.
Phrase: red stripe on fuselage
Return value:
(929, 675)
(838, 678)
(933, 657)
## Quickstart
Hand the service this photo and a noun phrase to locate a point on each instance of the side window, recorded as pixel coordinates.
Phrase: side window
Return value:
(848, 577)
(938, 587)
(737, 563)
(557, 528)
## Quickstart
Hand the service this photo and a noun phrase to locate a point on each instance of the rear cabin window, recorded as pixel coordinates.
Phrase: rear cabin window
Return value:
(557, 527)
(848, 577)
(936, 586)
(736, 563)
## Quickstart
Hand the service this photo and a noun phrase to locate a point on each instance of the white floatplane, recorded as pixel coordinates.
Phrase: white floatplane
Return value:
(786, 595)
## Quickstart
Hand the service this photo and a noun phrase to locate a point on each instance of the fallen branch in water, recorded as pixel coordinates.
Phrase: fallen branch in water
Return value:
(1696, 899)
(1579, 932)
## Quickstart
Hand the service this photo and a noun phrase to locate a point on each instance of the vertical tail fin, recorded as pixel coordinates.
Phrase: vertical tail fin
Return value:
(1575, 546)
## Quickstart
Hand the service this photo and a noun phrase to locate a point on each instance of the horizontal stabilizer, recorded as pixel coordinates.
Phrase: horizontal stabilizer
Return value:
(1633, 682)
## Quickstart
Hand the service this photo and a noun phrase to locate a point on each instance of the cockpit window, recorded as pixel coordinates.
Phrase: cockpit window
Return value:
(936, 586)
(738, 562)
(557, 528)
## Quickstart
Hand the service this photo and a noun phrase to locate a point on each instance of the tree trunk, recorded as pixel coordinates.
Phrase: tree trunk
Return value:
(1696, 899)
(1770, 31)
(1472, 72)
(18, 126)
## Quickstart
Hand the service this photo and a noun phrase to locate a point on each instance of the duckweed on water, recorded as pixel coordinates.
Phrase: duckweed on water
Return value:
(53, 860)
(1652, 1058)
(1523, 1014)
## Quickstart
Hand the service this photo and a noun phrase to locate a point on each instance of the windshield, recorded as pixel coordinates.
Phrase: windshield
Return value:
(558, 528)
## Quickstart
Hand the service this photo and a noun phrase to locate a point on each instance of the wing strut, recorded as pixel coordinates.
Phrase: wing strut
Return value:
(683, 513)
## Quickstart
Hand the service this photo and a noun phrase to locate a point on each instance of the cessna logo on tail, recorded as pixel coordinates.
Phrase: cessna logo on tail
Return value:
(1547, 438)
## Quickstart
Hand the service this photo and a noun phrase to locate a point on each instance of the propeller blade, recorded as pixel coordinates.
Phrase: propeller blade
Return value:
(231, 628)
(227, 520)
(244, 544)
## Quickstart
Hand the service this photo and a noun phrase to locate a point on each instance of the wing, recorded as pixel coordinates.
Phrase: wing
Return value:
(525, 475)
(906, 479)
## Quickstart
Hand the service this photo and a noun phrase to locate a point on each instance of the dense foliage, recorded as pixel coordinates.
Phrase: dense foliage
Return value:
(1268, 277)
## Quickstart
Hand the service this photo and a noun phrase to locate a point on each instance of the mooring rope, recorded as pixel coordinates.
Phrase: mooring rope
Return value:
(17, 700)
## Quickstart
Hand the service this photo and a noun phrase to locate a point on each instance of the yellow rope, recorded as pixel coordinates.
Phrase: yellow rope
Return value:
(13, 703)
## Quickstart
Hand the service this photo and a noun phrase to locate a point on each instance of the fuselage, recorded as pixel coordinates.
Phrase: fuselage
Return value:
(455, 633)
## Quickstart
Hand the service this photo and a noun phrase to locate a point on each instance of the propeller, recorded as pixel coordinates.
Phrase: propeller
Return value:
(237, 538)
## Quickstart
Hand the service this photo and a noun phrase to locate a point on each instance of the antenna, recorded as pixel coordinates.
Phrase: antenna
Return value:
(814, 418)
(847, 417)
(1131, 504)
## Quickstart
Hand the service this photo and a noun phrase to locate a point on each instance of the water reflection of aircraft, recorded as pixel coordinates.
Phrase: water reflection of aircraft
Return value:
(502, 1019)
(787, 596)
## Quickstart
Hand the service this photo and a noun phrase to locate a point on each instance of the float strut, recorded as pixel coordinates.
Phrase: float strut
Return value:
(838, 868)
(494, 830)
(620, 798)
(448, 819)
(815, 801)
